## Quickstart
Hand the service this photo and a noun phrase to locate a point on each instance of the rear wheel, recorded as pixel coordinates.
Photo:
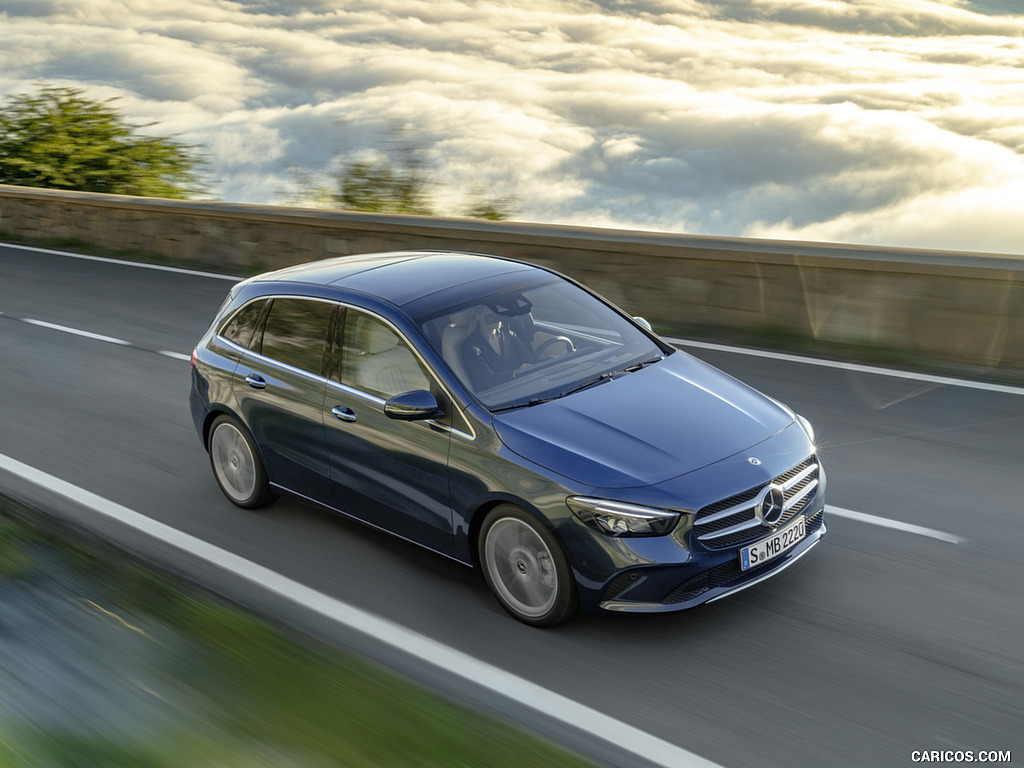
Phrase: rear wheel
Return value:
(237, 466)
(525, 567)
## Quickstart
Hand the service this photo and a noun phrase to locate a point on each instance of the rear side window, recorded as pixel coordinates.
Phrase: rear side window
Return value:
(240, 327)
(295, 333)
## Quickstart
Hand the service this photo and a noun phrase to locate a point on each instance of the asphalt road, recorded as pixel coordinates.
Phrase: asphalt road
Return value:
(879, 643)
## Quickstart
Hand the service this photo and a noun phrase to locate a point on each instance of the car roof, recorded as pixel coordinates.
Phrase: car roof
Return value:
(401, 277)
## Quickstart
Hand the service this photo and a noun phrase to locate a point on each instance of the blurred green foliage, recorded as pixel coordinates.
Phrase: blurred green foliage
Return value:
(15, 560)
(383, 186)
(58, 139)
(387, 186)
(399, 179)
(175, 677)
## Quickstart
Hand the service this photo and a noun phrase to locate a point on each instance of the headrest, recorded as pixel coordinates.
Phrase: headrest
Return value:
(463, 317)
(379, 339)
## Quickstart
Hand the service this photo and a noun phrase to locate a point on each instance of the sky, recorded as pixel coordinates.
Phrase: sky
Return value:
(885, 122)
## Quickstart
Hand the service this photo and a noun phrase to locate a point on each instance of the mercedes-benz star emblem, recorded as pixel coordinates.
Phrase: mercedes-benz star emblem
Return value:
(770, 505)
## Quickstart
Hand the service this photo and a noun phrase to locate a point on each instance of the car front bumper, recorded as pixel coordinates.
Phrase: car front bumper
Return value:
(660, 589)
(700, 562)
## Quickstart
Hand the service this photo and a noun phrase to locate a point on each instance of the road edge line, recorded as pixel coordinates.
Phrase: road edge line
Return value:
(885, 522)
(122, 262)
(931, 378)
(457, 663)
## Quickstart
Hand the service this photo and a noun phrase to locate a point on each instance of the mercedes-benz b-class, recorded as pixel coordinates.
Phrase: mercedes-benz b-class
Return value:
(507, 417)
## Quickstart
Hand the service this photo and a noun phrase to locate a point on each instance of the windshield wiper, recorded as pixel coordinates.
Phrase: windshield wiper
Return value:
(638, 366)
(525, 404)
(580, 387)
(608, 376)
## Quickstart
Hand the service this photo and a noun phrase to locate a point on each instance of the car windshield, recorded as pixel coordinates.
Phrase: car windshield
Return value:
(525, 346)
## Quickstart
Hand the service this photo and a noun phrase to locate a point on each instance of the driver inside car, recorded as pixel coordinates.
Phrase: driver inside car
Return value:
(493, 352)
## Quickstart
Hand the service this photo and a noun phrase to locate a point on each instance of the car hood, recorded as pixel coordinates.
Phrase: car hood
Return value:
(645, 427)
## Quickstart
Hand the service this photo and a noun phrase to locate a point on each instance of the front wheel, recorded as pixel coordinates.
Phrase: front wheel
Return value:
(525, 567)
(237, 466)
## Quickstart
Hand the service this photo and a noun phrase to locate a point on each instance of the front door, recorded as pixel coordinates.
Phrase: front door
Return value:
(392, 474)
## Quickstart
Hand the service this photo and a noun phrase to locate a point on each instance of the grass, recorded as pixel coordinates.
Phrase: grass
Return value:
(174, 677)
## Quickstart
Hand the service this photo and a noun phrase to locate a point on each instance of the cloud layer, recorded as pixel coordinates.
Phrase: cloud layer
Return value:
(896, 122)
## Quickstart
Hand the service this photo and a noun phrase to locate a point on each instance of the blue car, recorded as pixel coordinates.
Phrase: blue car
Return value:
(505, 416)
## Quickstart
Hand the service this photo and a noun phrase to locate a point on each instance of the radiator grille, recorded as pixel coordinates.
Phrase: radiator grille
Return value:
(732, 522)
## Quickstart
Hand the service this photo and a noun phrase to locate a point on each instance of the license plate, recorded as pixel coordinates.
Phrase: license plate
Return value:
(780, 541)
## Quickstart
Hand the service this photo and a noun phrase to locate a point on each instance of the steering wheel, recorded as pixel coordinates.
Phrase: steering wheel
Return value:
(554, 340)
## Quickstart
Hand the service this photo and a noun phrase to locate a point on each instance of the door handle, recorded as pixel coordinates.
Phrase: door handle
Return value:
(256, 381)
(344, 413)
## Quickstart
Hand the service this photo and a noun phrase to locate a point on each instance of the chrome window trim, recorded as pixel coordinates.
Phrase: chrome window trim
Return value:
(431, 373)
(301, 298)
(287, 366)
(459, 432)
(350, 390)
(429, 369)
(227, 319)
(233, 344)
(269, 297)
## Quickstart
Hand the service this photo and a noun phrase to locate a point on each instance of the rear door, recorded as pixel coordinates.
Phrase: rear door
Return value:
(279, 387)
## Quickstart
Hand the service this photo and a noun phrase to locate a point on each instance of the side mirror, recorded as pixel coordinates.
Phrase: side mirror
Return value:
(644, 323)
(412, 406)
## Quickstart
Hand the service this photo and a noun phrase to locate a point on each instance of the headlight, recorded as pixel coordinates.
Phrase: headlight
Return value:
(616, 518)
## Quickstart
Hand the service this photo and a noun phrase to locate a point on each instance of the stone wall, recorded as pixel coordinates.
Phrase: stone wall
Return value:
(964, 308)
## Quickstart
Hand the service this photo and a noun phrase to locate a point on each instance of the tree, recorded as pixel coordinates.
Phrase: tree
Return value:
(59, 139)
(381, 186)
(385, 185)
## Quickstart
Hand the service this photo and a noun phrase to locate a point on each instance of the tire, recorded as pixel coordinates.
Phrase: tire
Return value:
(237, 466)
(525, 568)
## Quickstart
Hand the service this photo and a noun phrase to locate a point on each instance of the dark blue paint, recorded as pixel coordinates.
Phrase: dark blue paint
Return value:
(676, 434)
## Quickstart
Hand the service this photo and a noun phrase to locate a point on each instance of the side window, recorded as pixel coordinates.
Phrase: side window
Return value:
(240, 327)
(375, 359)
(295, 332)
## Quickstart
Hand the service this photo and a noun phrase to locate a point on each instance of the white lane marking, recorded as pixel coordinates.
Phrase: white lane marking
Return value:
(969, 383)
(987, 386)
(175, 355)
(140, 264)
(100, 337)
(77, 332)
(885, 522)
(470, 668)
